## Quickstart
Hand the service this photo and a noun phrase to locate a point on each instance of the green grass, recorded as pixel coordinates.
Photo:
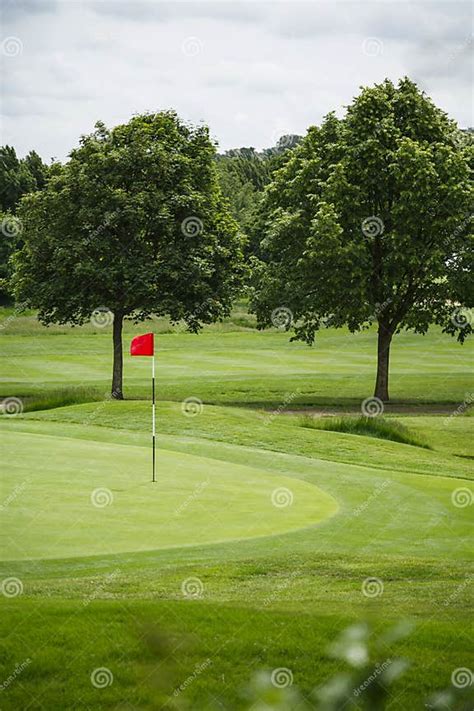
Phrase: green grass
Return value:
(62, 397)
(113, 421)
(115, 586)
(445, 434)
(153, 647)
(367, 426)
(225, 365)
(108, 506)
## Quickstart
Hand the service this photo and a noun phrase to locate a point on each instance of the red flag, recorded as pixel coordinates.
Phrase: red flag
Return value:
(142, 345)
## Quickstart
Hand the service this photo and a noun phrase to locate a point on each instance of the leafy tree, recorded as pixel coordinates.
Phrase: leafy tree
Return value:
(37, 169)
(17, 177)
(240, 192)
(248, 165)
(244, 173)
(288, 141)
(8, 233)
(369, 220)
(134, 222)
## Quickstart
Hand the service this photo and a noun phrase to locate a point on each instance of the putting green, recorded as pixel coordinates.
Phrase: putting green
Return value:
(66, 497)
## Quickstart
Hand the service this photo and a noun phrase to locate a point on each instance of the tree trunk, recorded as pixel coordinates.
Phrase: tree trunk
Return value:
(383, 357)
(117, 374)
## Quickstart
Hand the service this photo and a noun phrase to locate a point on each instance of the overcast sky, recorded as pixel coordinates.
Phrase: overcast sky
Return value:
(251, 70)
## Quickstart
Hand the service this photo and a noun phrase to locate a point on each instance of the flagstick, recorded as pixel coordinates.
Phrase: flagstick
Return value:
(153, 411)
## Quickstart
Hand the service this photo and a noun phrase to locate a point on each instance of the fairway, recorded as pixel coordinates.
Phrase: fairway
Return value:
(230, 364)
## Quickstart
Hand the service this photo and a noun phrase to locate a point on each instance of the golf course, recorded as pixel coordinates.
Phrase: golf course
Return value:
(274, 526)
(236, 358)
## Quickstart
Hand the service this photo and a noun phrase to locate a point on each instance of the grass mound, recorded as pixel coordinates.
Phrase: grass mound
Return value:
(367, 426)
(62, 397)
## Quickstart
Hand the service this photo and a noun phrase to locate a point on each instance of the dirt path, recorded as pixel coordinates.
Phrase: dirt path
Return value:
(395, 409)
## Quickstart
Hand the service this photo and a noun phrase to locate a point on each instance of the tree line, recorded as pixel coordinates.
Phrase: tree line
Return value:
(366, 219)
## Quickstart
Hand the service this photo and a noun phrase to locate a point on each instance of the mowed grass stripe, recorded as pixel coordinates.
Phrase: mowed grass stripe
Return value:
(241, 367)
(195, 501)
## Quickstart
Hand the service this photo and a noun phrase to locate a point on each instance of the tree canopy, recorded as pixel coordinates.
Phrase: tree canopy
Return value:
(244, 173)
(370, 220)
(135, 222)
(18, 176)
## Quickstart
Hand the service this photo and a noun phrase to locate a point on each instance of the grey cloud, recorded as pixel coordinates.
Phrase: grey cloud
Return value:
(261, 68)
(139, 10)
(12, 10)
(158, 10)
(451, 61)
(385, 20)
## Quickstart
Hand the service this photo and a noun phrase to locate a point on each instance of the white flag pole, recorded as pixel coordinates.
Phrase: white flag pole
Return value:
(153, 411)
